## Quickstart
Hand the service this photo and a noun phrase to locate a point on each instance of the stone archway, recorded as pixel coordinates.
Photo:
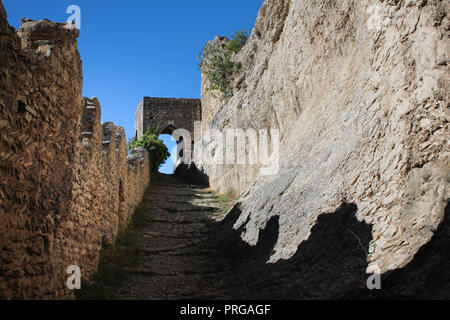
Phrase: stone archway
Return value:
(170, 114)
(169, 129)
(167, 114)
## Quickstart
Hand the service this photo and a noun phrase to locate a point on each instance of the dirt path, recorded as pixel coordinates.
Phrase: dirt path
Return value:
(177, 255)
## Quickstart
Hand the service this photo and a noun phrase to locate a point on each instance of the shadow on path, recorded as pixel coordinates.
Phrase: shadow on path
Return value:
(185, 253)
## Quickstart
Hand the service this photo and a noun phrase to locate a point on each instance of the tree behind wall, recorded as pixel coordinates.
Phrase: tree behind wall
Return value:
(158, 152)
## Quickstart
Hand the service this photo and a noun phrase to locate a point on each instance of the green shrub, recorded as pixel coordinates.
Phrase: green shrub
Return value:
(158, 152)
(238, 41)
(216, 64)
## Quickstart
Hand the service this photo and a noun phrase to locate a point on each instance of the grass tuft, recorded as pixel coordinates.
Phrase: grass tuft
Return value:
(225, 200)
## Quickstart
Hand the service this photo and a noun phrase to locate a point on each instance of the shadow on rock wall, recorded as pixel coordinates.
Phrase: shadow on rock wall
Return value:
(427, 276)
(331, 263)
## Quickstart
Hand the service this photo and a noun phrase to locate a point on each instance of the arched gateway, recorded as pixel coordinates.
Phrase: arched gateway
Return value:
(167, 114)
(170, 114)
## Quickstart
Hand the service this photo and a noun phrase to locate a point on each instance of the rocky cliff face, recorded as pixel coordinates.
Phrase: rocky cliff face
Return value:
(360, 93)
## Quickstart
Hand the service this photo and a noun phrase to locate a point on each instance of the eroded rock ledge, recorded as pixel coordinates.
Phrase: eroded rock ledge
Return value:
(360, 93)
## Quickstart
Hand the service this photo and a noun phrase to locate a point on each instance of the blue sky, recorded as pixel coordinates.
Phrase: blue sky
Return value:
(132, 49)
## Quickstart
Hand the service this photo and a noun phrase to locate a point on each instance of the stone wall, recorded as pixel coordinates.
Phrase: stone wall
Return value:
(167, 114)
(63, 188)
(139, 120)
(359, 91)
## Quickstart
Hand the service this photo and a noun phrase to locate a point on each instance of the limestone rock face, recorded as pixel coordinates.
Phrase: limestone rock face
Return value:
(211, 100)
(360, 93)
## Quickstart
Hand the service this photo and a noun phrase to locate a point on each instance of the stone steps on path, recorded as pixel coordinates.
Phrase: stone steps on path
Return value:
(176, 256)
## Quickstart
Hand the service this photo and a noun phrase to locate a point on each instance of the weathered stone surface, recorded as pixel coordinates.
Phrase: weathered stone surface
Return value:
(167, 114)
(211, 101)
(364, 117)
(61, 189)
(40, 104)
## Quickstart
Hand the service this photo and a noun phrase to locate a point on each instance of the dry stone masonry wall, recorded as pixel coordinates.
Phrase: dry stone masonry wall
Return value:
(66, 181)
(167, 114)
(360, 93)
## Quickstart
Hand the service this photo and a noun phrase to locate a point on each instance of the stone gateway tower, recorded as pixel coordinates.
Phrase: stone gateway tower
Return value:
(167, 114)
